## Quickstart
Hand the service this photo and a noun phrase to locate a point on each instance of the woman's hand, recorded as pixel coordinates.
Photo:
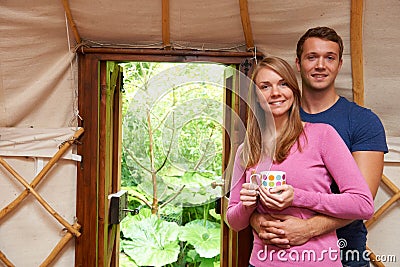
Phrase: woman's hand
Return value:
(249, 194)
(277, 198)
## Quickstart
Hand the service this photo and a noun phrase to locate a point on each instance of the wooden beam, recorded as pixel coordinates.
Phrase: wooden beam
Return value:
(86, 250)
(71, 21)
(356, 40)
(244, 15)
(102, 223)
(158, 52)
(165, 24)
(163, 55)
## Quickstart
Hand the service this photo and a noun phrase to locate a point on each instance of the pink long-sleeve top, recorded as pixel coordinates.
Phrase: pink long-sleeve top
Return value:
(324, 158)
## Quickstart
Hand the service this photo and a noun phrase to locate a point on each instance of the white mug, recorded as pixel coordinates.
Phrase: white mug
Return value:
(269, 179)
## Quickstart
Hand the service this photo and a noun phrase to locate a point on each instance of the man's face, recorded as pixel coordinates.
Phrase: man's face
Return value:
(320, 64)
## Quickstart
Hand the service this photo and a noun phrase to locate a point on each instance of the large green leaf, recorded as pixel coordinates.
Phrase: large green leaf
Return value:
(197, 189)
(154, 242)
(125, 261)
(127, 222)
(205, 238)
(207, 263)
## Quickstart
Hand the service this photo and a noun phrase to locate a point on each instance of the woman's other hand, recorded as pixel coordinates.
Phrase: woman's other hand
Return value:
(249, 194)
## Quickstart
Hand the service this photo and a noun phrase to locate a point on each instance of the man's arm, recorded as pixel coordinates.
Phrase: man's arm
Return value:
(285, 230)
(370, 164)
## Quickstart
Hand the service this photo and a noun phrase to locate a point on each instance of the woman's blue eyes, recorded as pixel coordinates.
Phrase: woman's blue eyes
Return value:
(267, 86)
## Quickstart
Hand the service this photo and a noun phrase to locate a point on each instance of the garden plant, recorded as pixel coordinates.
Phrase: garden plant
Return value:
(172, 152)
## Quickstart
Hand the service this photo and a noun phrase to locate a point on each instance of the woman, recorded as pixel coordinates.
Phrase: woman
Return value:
(311, 154)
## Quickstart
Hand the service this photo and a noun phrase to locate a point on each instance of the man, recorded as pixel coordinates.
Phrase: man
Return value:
(319, 60)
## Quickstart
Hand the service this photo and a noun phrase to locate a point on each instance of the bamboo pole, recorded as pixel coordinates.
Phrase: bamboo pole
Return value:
(388, 203)
(356, 46)
(165, 24)
(390, 184)
(374, 260)
(71, 21)
(60, 245)
(246, 25)
(39, 198)
(63, 148)
(6, 261)
(382, 209)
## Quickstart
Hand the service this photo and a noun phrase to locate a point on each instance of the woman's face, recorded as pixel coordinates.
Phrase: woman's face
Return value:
(273, 93)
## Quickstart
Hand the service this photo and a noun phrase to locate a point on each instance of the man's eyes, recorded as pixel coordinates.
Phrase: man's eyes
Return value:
(330, 58)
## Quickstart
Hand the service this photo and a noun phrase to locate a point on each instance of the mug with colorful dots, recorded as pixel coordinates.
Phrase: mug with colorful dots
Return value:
(271, 179)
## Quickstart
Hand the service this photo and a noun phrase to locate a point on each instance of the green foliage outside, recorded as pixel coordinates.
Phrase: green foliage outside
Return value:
(172, 152)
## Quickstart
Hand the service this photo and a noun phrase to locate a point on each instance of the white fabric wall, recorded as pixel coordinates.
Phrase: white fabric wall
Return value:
(29, 233)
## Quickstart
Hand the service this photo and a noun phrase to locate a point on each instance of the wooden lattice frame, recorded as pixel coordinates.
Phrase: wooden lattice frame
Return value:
(356, 33)
(396, 196)
(72, 230)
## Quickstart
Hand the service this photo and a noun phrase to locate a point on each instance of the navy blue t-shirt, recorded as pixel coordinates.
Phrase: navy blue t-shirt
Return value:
(359, 127)
(361, 130)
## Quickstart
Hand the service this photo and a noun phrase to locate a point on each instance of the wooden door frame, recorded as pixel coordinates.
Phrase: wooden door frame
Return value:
(90, 177)
(240, 244)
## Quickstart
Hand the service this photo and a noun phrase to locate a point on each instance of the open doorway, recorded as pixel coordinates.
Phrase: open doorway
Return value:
(100, 103)
(172, 124)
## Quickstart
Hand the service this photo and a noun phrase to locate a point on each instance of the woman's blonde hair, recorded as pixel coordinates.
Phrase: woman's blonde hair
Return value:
(254, 147)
